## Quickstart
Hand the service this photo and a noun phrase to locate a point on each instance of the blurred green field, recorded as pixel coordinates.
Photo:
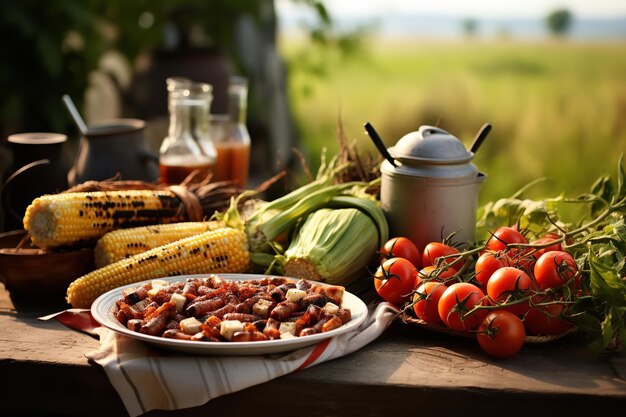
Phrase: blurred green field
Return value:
(558, 108)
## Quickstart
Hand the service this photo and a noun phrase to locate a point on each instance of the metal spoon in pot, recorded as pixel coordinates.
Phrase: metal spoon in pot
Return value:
(379, 143)
(75, 114)
(480, 137)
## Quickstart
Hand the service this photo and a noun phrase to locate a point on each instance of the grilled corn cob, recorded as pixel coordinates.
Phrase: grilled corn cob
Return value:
(80, 218)
(219, 251)
(124, 243)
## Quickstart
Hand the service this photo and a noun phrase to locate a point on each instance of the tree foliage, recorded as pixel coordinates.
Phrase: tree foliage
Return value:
(49, 48)
(559, 22)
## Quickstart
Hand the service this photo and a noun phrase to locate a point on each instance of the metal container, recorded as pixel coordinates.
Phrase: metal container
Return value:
(115, 146)
(433, 189)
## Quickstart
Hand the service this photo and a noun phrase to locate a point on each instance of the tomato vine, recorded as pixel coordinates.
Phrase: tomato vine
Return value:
(595, 295)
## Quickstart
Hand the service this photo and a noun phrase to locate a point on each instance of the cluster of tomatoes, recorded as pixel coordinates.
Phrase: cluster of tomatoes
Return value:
(502, 291)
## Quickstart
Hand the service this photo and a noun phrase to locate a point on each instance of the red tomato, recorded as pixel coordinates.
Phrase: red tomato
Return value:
(426, 301)
(430, 273)
(502, 236)
(543, 320)
(554, 269)
(501, 334)
(488, 263)
(435, 250)
(395, 279)
(507, 285)
(401, 247)
(459, 299)
(521, 258)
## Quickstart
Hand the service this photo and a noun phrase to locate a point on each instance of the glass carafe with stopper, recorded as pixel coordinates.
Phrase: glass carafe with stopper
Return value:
(232, 139)
(188, 146)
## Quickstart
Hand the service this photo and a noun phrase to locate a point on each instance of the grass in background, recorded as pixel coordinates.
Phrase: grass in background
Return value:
(558, 109)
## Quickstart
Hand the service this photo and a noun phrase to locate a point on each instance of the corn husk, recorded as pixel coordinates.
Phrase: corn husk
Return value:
(334, 246)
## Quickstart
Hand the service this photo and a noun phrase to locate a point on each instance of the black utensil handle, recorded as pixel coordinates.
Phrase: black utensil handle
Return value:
(379, 143)
(480, 137)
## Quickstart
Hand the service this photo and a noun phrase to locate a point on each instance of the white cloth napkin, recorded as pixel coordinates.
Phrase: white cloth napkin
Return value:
(148, 379)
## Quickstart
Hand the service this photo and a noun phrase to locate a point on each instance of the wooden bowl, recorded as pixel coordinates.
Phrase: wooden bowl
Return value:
(30, 272)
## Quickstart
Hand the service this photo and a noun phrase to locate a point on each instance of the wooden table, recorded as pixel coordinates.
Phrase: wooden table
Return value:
(407, 371)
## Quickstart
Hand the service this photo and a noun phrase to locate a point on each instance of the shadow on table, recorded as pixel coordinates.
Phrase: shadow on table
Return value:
(559, 365)
(30, 306)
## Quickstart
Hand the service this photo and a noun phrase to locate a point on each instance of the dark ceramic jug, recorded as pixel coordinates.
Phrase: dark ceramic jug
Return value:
(36, 169)
(115, 147)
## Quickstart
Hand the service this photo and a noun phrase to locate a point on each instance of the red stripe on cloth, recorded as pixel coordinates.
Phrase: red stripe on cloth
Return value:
(317, 352)
(82, 321)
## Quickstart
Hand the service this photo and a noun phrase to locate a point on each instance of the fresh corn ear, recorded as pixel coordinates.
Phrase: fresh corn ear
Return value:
(367, 206)
(278, 216)
(220, 251)
(124, 243)
(80, 218)
(333, 245)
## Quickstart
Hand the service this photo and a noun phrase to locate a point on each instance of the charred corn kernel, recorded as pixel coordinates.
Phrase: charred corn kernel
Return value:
(67, 219)
(218, 251)
(123, 243)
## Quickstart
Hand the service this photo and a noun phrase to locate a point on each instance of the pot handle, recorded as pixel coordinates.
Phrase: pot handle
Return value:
(430, 130)
(8, 184)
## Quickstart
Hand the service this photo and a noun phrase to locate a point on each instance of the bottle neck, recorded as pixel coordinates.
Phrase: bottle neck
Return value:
(187, 116)
(237, 104)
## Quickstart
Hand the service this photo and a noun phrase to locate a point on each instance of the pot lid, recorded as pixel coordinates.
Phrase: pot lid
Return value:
(431, 145)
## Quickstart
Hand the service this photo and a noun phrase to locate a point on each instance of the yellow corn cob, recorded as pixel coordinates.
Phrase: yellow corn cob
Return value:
(79, 218)
(124, 243)
(218, 251)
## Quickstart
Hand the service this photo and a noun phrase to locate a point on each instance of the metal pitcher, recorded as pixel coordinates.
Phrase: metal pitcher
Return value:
(433, 189)
(118, 146)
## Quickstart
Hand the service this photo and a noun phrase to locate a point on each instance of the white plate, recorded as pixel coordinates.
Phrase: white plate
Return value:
(104, 307)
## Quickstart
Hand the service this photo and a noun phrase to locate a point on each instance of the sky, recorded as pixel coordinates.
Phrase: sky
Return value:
(464, 8)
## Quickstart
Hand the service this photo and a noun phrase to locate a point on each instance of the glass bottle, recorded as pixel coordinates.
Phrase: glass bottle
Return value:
(188, 146)
(232, 139)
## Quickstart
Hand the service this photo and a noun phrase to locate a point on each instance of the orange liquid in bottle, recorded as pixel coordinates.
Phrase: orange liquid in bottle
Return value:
(233, 161)
(174, 169)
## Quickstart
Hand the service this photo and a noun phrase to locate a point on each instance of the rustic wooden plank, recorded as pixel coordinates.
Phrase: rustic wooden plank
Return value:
(414, 357)
(33, 340)
(24, 338)
(79, 391)
(408, 370)
(405, 356)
